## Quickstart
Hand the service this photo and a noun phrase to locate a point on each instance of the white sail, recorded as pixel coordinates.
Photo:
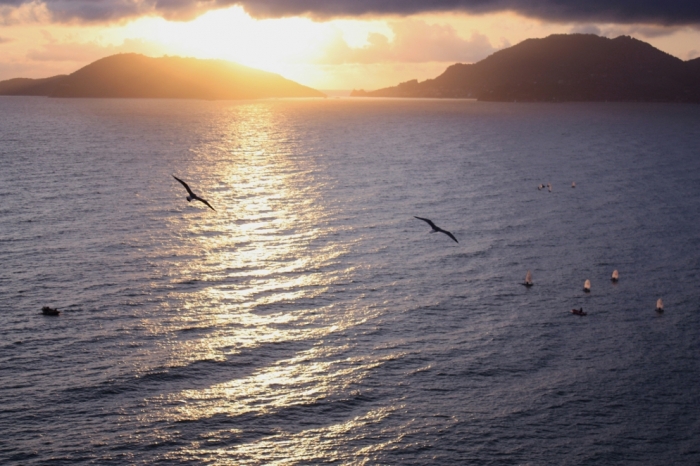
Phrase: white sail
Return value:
(573, 184)
(587, 285)
(615, 275)
(659, 304)
(528, 277)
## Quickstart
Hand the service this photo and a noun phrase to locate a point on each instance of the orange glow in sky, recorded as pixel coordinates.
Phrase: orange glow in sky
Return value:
(347, 53)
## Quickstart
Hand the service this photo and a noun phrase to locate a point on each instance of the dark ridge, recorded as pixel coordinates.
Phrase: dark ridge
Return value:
(576, 67)
(26, 86)
(132, 75)
(694, 67)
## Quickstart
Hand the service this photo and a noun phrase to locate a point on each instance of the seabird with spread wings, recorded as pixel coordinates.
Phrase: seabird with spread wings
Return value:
(193, 196)
(437, 228)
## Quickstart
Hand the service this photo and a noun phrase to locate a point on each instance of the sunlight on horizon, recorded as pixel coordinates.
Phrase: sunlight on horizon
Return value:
(276, 45)
(366, 52)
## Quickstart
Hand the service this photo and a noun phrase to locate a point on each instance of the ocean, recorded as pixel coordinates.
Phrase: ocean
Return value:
(312, 319)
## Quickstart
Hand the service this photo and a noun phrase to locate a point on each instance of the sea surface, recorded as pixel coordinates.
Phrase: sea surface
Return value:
(311, 319)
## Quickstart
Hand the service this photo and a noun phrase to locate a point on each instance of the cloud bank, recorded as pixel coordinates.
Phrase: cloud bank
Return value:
(414, 42)
(666, 13)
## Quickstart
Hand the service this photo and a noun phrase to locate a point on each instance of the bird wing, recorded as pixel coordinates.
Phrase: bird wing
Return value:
(185, 185)
(205, 201)
(448, 234)
(429, 222)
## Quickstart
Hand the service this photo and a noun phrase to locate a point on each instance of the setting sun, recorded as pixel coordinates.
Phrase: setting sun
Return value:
(215, 232)
(233, 35)
(335, 51)
(284, 46)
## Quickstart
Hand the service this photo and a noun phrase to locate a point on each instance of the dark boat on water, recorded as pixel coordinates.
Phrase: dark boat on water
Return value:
(579, 312)
(49, 311)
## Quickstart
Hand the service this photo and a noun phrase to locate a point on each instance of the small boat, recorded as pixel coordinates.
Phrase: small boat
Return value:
(528, 279)
(549, 187)
(49, 311)
(615, 276)
(587, 286)
(579, 312)
(573, 184)
(660, 306)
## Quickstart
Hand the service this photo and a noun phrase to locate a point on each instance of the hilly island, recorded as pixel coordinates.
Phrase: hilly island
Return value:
(560, 68)
(132, 75)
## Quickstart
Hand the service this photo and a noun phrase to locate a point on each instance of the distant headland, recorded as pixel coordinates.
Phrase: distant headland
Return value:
(131, 75)
(560, 68)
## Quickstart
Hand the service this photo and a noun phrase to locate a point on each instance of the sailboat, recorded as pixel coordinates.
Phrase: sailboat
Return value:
(587, 286)
(528, 279)
(573, 184)
(659, 306)
(615, 276)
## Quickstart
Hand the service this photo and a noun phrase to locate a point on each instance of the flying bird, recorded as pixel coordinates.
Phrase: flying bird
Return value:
(437, 228)
(193, 196)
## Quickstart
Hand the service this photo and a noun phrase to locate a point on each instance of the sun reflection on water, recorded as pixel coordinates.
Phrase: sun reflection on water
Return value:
(263, 244)
(248, 290)
(284, 390)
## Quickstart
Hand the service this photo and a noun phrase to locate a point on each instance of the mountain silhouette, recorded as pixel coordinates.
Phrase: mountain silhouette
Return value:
(575, 67)
(137, 76)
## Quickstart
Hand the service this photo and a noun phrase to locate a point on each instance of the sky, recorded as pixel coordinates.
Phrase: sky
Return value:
(325, 44)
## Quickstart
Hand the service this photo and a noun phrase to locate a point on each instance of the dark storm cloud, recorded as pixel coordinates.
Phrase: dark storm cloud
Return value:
(114, 10)
(669, 12)
(622, 11)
